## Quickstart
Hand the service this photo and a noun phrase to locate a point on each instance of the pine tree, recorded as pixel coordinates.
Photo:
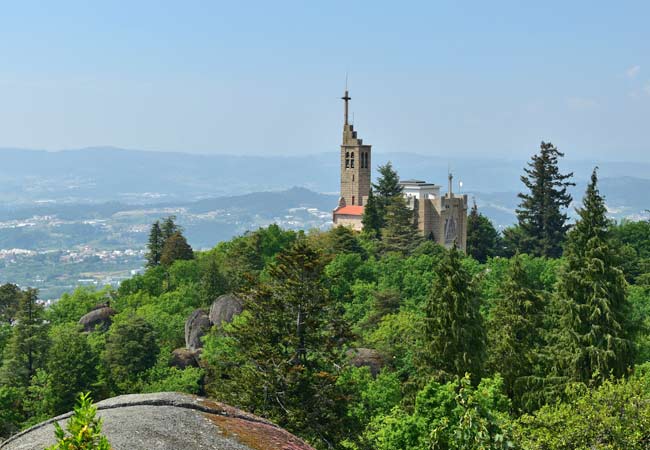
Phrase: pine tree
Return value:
(285, 351)
(387, 189)
(213, 282)
(345, 241)
(515, 327)
(540, 214)
(71, 368)
(155, 245)
(454, 331)
(27, 347)
(592, 295)
(131, 348)
(372, 220)
(169, 228)
(400, 234)
(176, 248)
(388, 182)
(482, 238)
(9, 299)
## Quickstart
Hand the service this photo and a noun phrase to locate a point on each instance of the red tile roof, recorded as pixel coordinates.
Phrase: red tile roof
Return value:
(351, 210)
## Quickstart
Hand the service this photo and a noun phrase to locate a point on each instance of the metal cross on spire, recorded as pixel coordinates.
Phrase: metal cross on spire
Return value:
(346, 98)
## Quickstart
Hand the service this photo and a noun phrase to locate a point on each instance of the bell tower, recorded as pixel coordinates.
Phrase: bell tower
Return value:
(355, 164)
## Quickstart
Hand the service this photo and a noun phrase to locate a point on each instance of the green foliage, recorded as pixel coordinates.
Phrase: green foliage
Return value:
(176, 248)
(455, 336)
(614, 416)
(155, 245)
(425, 310)
(9, 299)
(26, 350)
(171, 379)
(450, 416)
(516, 328)
(542, 221)
(71, 368)
(372, 220)
(386, 190)
(11, 410)
(399, 233)
(131, 348)
(84, 429)
(592, 295)
(70, 307)
(279, 357)
(345, 241)
(482, 237)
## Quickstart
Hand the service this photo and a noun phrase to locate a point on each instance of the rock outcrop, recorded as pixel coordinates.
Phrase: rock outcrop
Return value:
(170, 421)
(183, 357)
(196, 326)
(99, 318)
(360, 357)
(224, 308)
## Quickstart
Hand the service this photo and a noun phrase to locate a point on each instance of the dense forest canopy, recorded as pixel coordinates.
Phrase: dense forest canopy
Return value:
(537, 339)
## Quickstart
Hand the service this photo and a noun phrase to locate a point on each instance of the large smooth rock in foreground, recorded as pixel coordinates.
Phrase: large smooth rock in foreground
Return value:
(170, 421)
(224, 308)
(196, 326)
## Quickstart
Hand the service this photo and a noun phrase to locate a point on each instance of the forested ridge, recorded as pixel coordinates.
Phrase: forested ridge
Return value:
(537, 338)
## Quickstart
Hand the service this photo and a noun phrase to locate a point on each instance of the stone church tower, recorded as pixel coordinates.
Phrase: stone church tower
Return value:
(355, 164)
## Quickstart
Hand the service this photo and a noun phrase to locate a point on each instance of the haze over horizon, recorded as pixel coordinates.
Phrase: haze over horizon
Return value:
(262, 79)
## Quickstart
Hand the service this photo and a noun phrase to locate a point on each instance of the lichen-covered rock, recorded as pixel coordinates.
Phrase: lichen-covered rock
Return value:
(224, 308)
(99, 318)
(170, 421)
(183, 357)
(366, 357)
(196, 326)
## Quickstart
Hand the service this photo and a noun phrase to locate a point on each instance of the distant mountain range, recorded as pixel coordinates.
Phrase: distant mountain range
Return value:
(49, 180)
(83, 216)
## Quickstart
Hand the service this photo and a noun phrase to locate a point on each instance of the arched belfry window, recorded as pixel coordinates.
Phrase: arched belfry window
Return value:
(352, 160)
(347, 160)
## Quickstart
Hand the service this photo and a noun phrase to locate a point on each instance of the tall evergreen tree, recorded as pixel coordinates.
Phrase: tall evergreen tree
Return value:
(386, 189)
(372, 220)
(9, 299)
(482, 237)
(131, 348)
(592, 295)
(213, 282)
(155, 245)
(541, 215)
(176, 248)
(400, 234)
(169, 228)
(387, 185)
(515, 327)
(27, 348)
(345, 241)
(454, 330)
(71, 368)
(281, 359)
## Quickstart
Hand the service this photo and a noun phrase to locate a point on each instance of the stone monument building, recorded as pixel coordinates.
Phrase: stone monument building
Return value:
(442, 218)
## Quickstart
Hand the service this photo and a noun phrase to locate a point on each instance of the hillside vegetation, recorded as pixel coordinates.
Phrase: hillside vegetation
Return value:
(376, 340)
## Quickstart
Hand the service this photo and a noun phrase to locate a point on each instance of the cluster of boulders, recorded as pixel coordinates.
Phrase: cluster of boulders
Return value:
(222, 311)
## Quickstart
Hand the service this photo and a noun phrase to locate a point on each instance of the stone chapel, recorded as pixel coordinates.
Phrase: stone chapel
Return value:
(440, 217)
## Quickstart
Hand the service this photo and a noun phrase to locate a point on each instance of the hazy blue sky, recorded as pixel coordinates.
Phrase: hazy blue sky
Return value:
(490, 78)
